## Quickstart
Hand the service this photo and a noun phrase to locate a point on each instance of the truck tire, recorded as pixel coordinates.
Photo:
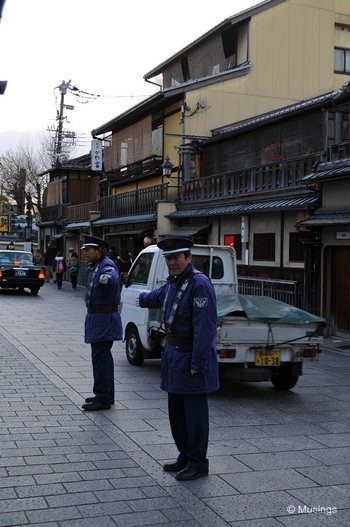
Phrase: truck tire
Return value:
(284, 381)
(133, 347)
(34, 291)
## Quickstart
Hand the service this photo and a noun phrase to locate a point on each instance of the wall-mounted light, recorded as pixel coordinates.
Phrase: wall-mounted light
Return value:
(167, 167)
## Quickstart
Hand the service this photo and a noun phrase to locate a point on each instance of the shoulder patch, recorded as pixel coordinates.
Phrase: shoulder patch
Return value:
(200, 301)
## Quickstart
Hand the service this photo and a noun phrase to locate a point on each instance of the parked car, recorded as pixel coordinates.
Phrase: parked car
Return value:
(17, 271)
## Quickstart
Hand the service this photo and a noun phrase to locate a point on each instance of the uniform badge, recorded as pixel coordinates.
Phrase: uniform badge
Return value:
(200, 301)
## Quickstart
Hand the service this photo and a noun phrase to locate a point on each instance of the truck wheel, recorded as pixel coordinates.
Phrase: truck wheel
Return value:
(133, 347)
(284, 382)
(34, 291)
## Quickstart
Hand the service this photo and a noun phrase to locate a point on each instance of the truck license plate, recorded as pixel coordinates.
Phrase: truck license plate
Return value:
(267, 358)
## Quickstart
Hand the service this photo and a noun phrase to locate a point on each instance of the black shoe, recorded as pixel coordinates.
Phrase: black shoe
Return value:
(91, 400)
(94, 407)
(173, 467)
(190, 473)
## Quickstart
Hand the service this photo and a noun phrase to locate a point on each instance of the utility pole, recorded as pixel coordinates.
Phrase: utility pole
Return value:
(61, 135)
(63, 87)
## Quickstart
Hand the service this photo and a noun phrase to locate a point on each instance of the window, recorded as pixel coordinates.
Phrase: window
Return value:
(264, 246)
(235, 241)
(341, 60)
(202, 264)
(140, 271)
(185, 69)
(337, 127)
(296, 249)
(229, 42)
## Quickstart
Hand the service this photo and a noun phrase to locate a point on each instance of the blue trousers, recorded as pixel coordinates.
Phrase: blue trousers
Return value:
(189, 423)
(103, 371)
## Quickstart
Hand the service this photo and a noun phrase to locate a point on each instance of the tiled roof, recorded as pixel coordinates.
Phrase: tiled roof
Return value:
(136, 218)
(327, 217)
(329, 169)
(251, 206)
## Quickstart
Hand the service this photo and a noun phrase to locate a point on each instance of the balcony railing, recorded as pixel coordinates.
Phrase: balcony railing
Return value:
(288, 291)
(144, 167)
(262, 178)
(139, 201)
(82, 211)
(53, 213)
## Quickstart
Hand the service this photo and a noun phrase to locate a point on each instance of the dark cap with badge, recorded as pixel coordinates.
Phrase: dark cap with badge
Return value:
(175, 244)
(94, 241)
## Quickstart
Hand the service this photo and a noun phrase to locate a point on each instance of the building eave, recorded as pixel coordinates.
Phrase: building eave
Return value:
(150, 105)
(228, 22)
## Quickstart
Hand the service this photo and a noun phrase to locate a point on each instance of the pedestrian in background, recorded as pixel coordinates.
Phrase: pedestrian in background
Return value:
(38, 257)
(48, 261)
(102, 322)
(189, 368)
(73, 266)
(59, 267)
(123, 263)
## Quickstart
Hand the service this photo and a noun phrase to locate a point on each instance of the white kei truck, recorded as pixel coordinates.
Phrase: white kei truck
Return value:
(258, 338)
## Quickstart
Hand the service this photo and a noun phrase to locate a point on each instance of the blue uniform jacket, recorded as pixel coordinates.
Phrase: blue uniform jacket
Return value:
(196, 320)
(100, 327)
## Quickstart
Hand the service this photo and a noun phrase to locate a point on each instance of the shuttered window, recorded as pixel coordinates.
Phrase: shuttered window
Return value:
(264, 246)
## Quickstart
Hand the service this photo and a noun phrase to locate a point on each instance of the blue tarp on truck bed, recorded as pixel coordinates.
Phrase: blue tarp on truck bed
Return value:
(265, 309)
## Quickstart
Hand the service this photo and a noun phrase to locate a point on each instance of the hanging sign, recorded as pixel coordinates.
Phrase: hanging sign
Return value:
(96, 155)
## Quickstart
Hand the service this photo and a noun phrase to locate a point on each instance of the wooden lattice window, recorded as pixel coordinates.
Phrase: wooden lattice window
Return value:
(264, 246)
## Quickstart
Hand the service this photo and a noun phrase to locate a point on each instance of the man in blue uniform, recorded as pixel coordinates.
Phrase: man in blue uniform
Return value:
(189, 363)
(102, 321)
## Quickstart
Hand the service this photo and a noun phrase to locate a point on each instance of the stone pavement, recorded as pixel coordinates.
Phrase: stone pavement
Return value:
(276, 458)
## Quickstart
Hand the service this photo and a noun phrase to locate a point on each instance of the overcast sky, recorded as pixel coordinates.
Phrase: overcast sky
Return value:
(103, 47)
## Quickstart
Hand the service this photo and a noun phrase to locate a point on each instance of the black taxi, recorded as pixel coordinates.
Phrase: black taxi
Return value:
(17, 271)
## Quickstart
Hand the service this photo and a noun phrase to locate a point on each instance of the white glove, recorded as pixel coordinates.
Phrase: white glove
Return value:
(137, 301)
(104, 279)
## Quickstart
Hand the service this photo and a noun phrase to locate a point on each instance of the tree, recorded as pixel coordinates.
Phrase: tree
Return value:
(19, 175)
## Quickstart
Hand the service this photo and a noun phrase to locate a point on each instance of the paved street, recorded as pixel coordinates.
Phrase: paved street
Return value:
(276, 458)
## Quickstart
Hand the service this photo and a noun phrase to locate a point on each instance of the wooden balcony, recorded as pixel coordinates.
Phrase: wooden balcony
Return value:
(259, 179)
(150, 166)
(82, 211)
(53, 213)
(141, 201)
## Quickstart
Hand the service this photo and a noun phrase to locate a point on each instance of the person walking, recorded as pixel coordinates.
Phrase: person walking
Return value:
(123, 263)
(73, 266)
(48, 262)
(38, 257)
(189, 369)
(59, 267)
(102, 322)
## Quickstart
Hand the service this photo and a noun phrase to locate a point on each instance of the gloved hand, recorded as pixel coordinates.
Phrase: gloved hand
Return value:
(104, 278)
(137, 301)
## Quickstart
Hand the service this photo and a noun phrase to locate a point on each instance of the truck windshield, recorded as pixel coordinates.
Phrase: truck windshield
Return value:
(139, 273)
